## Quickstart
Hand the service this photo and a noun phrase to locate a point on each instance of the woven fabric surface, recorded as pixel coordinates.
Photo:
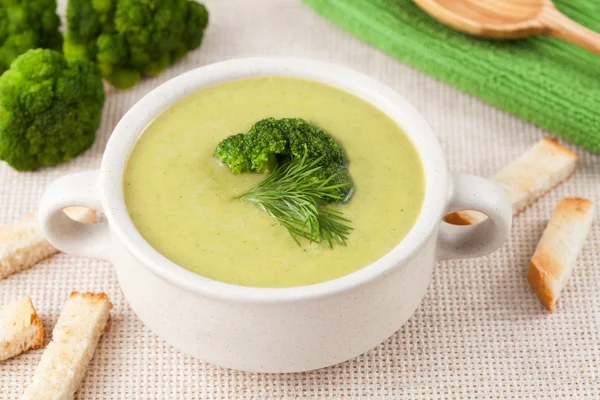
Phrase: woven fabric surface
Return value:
(480, 332)
(543, 80)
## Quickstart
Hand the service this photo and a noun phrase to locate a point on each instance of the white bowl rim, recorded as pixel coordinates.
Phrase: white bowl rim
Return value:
(151, 105)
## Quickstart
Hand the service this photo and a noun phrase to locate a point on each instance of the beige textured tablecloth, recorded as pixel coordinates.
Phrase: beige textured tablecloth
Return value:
(480, 331)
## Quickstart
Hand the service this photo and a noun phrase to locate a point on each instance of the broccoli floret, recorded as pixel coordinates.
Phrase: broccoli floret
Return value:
(50, 109)
(256, 150)
(231, 152)
(131, 38)
(25, 25)
(304, 137)
(265, 140)
(271, 141)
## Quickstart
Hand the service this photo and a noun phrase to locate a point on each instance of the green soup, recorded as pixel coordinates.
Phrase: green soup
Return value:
(182, 200)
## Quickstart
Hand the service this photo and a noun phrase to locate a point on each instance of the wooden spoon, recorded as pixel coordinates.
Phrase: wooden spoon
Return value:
(510, 19)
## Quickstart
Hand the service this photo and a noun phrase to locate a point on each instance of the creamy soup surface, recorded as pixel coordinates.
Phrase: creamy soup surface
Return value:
(182, 200)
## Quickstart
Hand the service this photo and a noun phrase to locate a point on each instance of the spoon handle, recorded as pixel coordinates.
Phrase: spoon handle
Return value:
(562, 27)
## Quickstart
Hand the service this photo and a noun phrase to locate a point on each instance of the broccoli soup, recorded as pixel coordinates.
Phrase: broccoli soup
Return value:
(315, 183)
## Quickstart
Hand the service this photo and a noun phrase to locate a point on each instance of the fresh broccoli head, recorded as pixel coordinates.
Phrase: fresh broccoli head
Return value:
(50, 109)
(130, 38)
(271, 141)
(25, 25)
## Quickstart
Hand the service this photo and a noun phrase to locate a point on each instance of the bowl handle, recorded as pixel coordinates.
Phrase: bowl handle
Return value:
(474, 193)
(67, 235)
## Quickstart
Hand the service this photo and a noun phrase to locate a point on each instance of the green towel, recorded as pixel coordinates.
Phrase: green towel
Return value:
(550, 83)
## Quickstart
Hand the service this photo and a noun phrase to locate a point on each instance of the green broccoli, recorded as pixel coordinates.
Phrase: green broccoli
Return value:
(25, 25)
(50, 109)
(271, 141)
(131, 38)
(263, 142)
(303, 136)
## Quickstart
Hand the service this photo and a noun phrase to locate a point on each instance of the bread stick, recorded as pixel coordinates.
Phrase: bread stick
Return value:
(529, 177)
(74, 340)
(554, 258)
(20, 329)
(22, 244)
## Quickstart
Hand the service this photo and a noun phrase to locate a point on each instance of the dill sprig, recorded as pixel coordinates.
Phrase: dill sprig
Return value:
(295, 195)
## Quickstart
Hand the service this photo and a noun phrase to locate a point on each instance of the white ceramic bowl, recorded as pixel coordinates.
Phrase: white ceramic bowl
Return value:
(274, 330)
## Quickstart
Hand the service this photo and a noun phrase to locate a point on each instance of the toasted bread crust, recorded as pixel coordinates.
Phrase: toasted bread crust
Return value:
(458, 218)
(559, 148)
(35, 321)
(93, 298)
(554, 258)
(466, 217)
(536, 276)
(529, 177)
(82, 214)
(538, 171)
(22, 244)
(65, 360)
(20, 328)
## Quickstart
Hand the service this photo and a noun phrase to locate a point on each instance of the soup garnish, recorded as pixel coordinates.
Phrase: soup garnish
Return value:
(295, 194)
(309, 170)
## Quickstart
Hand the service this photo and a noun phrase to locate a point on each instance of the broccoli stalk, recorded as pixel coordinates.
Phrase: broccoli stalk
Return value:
(25, 25)
(131, 38)
(50, 109)
(277, 141)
